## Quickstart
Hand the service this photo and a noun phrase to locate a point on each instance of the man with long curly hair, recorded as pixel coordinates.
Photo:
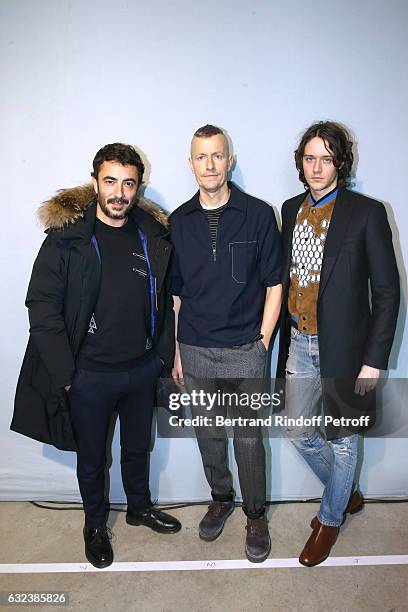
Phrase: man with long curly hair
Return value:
(334, 337)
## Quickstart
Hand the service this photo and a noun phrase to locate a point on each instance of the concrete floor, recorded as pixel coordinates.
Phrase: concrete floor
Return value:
(33, 535)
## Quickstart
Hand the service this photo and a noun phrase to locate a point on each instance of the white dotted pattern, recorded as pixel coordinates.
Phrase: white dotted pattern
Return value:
(307, 252)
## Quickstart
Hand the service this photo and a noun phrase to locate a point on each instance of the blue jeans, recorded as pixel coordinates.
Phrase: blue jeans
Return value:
(333, 462)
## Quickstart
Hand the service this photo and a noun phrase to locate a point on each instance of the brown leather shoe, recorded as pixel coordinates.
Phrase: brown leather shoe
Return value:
(355, 504)
(212, 523)
(319, 545)
(258, 540)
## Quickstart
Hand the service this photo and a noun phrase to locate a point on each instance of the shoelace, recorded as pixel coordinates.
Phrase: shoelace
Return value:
(104, 534)
(215, 508)
(256, 527)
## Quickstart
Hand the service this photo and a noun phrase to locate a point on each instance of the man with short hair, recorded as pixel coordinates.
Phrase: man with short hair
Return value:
(101, 330)
(334, 339)
(226, 283)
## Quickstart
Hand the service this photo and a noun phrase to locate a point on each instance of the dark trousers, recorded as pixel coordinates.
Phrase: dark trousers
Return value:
(213, 370)
(93, 398)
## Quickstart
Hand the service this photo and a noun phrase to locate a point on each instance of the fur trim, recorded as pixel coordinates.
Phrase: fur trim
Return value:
(68, 205)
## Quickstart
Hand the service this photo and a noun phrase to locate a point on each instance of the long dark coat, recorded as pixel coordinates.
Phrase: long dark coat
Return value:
(61, 298)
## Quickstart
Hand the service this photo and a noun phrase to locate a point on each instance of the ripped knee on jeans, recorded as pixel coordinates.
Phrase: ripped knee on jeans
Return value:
(341, 446)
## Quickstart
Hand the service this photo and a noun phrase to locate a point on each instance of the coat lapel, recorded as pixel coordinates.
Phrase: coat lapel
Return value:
(159, 253)
(335, 236)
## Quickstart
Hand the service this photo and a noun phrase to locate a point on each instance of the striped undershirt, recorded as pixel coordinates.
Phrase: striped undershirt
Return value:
(213, 216)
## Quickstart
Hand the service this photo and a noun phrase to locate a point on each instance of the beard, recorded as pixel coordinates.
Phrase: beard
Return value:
(116, 214)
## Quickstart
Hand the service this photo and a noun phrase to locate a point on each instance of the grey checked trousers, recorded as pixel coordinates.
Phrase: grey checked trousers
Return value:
(226, 370)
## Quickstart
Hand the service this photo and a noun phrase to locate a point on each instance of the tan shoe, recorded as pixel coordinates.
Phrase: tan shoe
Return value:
(319, 545)
(355, 504)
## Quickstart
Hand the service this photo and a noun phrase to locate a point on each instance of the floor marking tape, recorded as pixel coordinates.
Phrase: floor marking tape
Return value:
(166, 566)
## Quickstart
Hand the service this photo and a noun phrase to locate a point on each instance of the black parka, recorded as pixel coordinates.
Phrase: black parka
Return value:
(61, 298)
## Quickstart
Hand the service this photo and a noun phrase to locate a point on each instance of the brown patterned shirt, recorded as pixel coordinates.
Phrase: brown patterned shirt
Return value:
(309, 236)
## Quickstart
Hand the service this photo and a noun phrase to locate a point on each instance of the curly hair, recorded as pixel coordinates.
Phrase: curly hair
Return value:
(121, 153)
(337, 140)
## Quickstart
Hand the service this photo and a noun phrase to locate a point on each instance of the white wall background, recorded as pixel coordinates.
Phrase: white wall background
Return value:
(76, 75)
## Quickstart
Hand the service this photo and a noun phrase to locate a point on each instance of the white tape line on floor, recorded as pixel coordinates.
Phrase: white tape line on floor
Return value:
(168, 566)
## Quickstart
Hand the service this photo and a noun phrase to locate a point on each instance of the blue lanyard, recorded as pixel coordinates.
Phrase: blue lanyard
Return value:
(143, 239)
(96, 245)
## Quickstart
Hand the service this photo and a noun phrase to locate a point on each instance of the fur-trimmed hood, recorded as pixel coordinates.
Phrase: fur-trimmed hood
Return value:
(69, 205)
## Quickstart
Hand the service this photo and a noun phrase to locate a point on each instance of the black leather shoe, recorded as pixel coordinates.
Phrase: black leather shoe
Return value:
(98, 549)
(155, 519)
(212, 523)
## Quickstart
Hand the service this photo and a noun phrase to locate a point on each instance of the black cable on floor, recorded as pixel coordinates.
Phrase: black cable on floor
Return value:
(78, 505)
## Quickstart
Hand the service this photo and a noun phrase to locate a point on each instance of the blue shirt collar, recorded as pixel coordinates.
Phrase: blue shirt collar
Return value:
(325, 199)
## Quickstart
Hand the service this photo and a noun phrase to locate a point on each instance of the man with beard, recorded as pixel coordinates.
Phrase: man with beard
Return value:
(101, 331)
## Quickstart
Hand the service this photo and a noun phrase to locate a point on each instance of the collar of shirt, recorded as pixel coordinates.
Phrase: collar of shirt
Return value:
(213, 208)
(325, 199)
(237, 201)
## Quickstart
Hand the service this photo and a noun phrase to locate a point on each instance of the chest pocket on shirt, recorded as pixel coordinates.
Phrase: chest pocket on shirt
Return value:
(243, 257)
